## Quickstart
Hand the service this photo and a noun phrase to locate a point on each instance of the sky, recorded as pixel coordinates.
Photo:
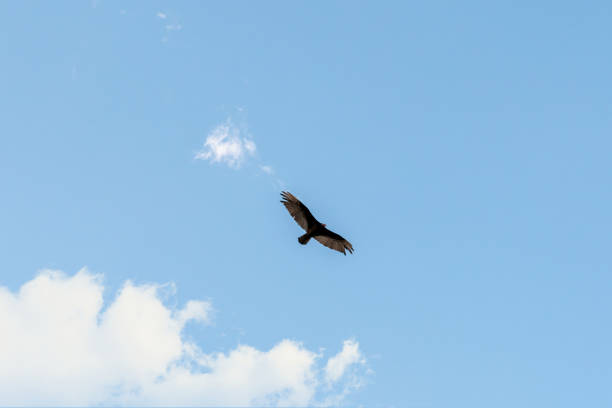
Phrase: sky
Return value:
(462, 148)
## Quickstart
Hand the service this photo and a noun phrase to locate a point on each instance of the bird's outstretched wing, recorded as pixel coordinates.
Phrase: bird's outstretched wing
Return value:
(298, 211)
(334, 241)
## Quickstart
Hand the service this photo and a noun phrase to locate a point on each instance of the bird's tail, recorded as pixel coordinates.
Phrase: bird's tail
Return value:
(304, 239)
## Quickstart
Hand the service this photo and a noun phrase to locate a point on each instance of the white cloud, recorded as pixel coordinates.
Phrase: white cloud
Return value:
(226, 145)
(60, 346)
(173, 27)
(161, 15)
(195, 310)
(341, 371)
(337, 365)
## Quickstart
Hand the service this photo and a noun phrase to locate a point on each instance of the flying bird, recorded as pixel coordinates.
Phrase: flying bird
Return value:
(314, 229)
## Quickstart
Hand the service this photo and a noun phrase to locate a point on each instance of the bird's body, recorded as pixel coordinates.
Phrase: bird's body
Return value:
(311, 232)
(314, 229)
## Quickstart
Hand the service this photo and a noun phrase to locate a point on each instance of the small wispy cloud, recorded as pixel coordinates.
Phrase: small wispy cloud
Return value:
(169, 24)
(226, 144)
(234, 146)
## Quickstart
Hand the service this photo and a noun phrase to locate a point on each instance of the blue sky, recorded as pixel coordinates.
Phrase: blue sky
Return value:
(463, 149)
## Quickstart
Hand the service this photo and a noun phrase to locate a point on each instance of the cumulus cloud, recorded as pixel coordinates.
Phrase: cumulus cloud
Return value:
(337, 365)
(61, 345)
(226, 144)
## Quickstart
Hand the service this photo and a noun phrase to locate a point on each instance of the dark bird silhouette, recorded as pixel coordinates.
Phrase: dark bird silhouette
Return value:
(314, 229)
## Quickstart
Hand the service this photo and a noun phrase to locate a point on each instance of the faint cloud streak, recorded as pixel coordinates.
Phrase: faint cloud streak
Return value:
(267, 169)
